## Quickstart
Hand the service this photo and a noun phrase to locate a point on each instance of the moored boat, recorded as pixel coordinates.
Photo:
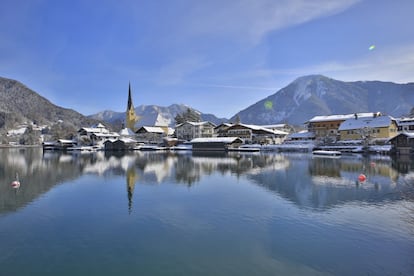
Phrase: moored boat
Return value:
(326, 153)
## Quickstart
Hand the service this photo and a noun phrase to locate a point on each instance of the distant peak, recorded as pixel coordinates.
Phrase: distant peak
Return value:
(311, 77)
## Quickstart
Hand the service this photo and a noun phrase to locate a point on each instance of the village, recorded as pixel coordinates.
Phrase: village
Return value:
(355, 133)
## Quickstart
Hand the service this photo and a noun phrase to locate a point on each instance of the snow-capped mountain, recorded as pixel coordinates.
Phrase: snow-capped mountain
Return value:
(313, 95)
(151, 115)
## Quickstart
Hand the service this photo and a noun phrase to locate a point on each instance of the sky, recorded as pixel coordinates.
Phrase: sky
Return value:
(216, 56)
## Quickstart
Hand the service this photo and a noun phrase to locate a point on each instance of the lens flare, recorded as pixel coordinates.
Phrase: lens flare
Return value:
(268, 105)
(372, 47)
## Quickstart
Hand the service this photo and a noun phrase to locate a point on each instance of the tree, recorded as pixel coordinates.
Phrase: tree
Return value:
(190, 115)
(30, 137)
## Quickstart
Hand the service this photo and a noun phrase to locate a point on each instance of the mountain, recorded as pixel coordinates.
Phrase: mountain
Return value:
(19, 104)
(151, 115)
(314, 95)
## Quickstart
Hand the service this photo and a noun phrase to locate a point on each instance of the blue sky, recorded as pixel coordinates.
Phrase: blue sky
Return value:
(216, 56)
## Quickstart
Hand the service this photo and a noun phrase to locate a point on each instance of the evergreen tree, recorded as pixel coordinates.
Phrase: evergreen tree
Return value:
(189, 115)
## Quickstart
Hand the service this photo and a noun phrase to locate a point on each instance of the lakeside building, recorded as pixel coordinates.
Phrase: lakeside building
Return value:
(405, 124)
(221, 129)
(152, 135)
(326, 128)
(280, 127)
(216, 143)
(121, 144)
(303, 136)
(403, 143)
(95, 134)
(190, 130)
(256, 134)
(376, 128)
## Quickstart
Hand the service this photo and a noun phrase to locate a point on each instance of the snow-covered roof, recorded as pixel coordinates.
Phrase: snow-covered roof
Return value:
(339, 117)
(99, 125)
(226, 140)
(196, 123)
(126, 132)
(19, 131)
(224, 124)
(95, 129)
(106, 134)
(408, 134)
(371, 122)
(275, 126)
(152, 129)
(171, 131)
(256, 127)
(405, 121)
(127, 140)
(66, 141)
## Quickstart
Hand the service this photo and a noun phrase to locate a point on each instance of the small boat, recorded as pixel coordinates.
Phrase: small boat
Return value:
(244, 149)
(326, 153)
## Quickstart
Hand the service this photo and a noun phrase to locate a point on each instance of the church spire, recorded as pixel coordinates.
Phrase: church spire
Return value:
(130, 105)
(131, 119)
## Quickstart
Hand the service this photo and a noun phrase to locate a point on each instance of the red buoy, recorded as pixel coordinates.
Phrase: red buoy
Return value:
(362, 177)
(15, 184)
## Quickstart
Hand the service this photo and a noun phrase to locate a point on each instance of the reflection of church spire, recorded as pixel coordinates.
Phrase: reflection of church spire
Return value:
(131, 117)
(130, 179)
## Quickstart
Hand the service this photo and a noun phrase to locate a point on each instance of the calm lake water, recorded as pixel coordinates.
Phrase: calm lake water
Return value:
(205, 214)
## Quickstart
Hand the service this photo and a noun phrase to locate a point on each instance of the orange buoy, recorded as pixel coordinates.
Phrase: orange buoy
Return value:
(362, 177)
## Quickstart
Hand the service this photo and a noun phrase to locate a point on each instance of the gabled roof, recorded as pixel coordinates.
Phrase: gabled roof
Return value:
(224, 124)
(409, 135)
(338, 117)
(371, 122)
(126, 132)
(150, 129)
(106, 134)
(260, 128)
(405, 121)
(225, 140)
(196, 123)
(94, 130)
(99, 125)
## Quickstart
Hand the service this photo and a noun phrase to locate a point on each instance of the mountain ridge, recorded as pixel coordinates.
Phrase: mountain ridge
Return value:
(313, 95)
(18, 104)
(302, 99)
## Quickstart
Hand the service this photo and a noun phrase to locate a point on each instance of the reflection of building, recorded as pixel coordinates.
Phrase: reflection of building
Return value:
(131, 178)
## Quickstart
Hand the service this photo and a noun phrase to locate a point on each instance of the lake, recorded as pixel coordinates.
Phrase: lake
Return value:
(165, 213)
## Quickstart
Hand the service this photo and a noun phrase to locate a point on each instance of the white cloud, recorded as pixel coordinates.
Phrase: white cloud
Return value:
(251, 20)
(394, 64)
(175, 72)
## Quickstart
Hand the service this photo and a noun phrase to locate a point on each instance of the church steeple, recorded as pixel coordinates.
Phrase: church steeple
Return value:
(130, 105)
(131, 118)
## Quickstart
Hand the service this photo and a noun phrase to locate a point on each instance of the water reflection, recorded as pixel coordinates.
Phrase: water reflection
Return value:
(317, 183)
